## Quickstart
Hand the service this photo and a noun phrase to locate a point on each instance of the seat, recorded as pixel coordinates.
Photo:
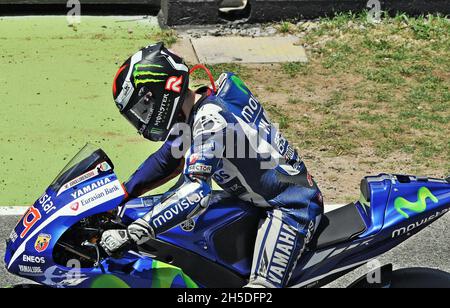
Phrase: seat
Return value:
(340, 225)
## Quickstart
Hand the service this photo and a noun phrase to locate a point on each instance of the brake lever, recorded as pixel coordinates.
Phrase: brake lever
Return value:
(97, 250)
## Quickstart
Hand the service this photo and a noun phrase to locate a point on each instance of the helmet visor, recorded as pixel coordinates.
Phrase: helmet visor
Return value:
(141, 113)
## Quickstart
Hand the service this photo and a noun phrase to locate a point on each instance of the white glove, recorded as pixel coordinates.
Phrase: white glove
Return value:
(116, 241)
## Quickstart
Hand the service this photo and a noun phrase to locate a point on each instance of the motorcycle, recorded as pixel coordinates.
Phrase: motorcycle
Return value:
(55, 243)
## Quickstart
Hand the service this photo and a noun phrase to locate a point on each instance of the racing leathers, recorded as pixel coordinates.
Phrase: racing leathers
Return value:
(232, 141)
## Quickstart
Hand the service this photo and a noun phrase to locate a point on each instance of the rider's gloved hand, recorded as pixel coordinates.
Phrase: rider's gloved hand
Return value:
(116, 241)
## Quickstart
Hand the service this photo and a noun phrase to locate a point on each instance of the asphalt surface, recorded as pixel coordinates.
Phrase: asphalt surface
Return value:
(429, 248)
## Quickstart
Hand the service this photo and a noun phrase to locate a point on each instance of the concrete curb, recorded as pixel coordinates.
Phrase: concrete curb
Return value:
(13, 210)
(195, 12)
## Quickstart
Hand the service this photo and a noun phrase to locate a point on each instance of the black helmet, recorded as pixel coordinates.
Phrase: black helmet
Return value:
(149, 89)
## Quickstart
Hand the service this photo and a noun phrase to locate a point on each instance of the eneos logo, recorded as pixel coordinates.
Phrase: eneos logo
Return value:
(42, 242)
(420, 206)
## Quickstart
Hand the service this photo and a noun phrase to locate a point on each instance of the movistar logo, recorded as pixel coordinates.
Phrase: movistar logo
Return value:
(144, 73)
(401, 204)
(239, 83)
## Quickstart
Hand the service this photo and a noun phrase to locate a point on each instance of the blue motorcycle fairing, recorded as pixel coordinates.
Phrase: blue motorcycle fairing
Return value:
(131, 271)
(223, 211)
(30, 247)
(386, 229)
(398, 207)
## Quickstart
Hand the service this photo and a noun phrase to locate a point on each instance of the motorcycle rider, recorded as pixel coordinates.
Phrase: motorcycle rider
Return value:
(151, 89)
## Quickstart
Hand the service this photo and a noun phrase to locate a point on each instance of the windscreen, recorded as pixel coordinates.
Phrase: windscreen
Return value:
(87, 159)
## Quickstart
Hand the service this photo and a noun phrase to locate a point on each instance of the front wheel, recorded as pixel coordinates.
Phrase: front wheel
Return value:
(28, 286)
(407, 278)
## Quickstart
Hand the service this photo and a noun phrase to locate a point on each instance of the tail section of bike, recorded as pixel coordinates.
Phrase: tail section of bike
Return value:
(391, 209)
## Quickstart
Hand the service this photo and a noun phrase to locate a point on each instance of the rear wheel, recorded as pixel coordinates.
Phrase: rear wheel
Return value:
(407, 278)
(419, 278)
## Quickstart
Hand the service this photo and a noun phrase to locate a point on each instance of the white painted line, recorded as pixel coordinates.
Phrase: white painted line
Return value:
(13, 210)
(333, 207)
(20, 210)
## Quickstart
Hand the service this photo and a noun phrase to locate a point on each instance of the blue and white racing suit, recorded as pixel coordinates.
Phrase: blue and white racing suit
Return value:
(232, 141)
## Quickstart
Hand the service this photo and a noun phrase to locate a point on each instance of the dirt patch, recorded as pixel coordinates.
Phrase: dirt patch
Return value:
(372, 99)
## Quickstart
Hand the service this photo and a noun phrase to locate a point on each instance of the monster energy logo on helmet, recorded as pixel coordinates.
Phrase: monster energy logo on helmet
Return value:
(144, 73)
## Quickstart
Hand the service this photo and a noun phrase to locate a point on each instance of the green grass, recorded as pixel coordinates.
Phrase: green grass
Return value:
(294, 69)
(56, 97)
(398, 98)
(285, 27)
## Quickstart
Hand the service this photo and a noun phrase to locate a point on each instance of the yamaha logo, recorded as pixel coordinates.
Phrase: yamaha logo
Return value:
(188, 225)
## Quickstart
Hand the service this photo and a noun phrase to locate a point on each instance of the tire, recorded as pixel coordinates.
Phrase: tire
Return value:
(419, 278)
(415, 278)
(28, 286)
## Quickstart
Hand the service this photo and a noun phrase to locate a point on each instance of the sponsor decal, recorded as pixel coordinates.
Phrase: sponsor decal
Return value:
(282, 254)
(200, 168)
(146, 73)
(13, 236)
(221, 176)
(103, 167)
(24, 269)
(42, 242)
(46, 203)
(162, 112)
(75, 206)
(178, 208)
(188, 225)
(420, 206)
(193, 158)
(96, 196)
(406, 230)
(78, 180)
(251, 110)
(91, 187)
(33, 259)
(93, 198)
(240, 84)
(31, 217)
(174, 84)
